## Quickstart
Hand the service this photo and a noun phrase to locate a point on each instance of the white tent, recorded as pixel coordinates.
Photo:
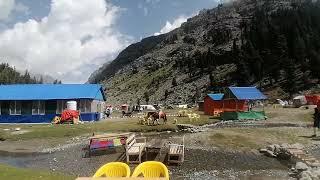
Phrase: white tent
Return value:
(299, 101)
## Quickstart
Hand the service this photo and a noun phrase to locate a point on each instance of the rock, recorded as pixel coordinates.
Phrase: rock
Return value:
(300, 166)
(317, 172)
(17, 129)
(297, 146)
(315, 164)
(6, 129)
(263, 150)
(270, 153)
(271, 148)
(277, 149)
(285, 146)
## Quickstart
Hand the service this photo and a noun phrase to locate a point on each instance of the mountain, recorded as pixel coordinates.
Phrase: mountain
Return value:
(272, 44)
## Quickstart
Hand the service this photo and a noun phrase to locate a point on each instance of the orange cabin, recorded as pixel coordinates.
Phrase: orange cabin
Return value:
(234, 99)
(214, 105)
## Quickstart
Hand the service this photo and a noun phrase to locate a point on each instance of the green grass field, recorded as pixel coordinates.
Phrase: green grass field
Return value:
(9, 172)
(44, 131)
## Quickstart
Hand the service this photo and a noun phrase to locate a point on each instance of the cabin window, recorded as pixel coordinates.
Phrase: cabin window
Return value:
(38, 107)
(51, 107)
(26, 107)
(15, 107)
(61, 105)
(85, 106)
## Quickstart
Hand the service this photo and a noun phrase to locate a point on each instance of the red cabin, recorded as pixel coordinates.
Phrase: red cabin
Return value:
(214, 105)
(235, 99)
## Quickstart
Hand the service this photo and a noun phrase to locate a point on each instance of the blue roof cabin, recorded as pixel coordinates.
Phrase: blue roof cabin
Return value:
(40, 103)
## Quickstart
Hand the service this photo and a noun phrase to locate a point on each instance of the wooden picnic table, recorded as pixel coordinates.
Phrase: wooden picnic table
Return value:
(155, 145)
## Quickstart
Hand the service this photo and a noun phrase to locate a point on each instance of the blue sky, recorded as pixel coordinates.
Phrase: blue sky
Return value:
(88, 32)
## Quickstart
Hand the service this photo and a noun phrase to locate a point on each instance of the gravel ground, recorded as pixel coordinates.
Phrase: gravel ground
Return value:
(200, 162)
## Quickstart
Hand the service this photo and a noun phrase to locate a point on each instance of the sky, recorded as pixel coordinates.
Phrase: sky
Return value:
(70, 39)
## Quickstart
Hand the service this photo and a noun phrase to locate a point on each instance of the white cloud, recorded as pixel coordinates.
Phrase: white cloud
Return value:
(171, 26)
(21, 8)
(75, 38)
(6, 7)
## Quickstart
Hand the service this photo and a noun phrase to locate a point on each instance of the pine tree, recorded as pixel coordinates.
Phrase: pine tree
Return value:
(146, 97)
(174, 82)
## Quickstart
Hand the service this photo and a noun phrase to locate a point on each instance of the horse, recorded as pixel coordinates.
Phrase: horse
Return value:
(157, 116)
(126, 114)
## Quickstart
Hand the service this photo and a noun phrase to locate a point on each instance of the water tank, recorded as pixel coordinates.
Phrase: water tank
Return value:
(72, 105)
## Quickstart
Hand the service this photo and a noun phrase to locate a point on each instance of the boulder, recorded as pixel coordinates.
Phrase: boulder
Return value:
(263, 151)
(305, 176)
(270, 153)
(271, 147)
(300, 166)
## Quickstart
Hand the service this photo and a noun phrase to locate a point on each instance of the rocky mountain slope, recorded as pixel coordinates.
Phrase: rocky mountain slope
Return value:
(273, 44)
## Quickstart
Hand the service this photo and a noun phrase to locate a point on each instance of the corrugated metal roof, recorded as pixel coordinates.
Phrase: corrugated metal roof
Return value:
(51, 91)
(216, 97)
(247, 93)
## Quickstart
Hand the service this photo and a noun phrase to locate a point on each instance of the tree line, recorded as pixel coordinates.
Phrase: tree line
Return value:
(9, 75)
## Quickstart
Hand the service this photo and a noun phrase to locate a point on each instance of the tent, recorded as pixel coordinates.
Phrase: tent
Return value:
(299, 101)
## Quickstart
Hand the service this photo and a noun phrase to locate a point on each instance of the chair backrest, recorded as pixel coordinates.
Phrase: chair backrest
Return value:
(113, 169)
(131, 140)
(151, 169)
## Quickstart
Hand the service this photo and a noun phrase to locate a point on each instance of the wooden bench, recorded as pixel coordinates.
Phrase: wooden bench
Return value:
(135, 147)
(176, 153)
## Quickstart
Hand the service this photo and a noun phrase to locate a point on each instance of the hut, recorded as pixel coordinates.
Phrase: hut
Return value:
(237, 103)
(40, 103)
(213, 104)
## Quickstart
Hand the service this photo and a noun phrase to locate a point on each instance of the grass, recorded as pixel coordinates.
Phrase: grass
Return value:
(293, 115)
(254, 138)
(48, 131)
(8, 172)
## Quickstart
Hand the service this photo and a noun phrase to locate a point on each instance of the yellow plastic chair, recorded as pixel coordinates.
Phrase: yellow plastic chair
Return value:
(151, 169)
(113, 169)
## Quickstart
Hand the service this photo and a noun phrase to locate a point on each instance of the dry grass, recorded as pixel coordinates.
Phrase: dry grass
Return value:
(253, 138)
(289, 115)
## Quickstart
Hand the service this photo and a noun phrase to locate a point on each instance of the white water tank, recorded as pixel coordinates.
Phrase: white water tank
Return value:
(72, 105)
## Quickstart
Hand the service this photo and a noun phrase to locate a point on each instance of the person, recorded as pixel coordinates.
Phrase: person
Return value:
(316, 121)
(108, 112)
